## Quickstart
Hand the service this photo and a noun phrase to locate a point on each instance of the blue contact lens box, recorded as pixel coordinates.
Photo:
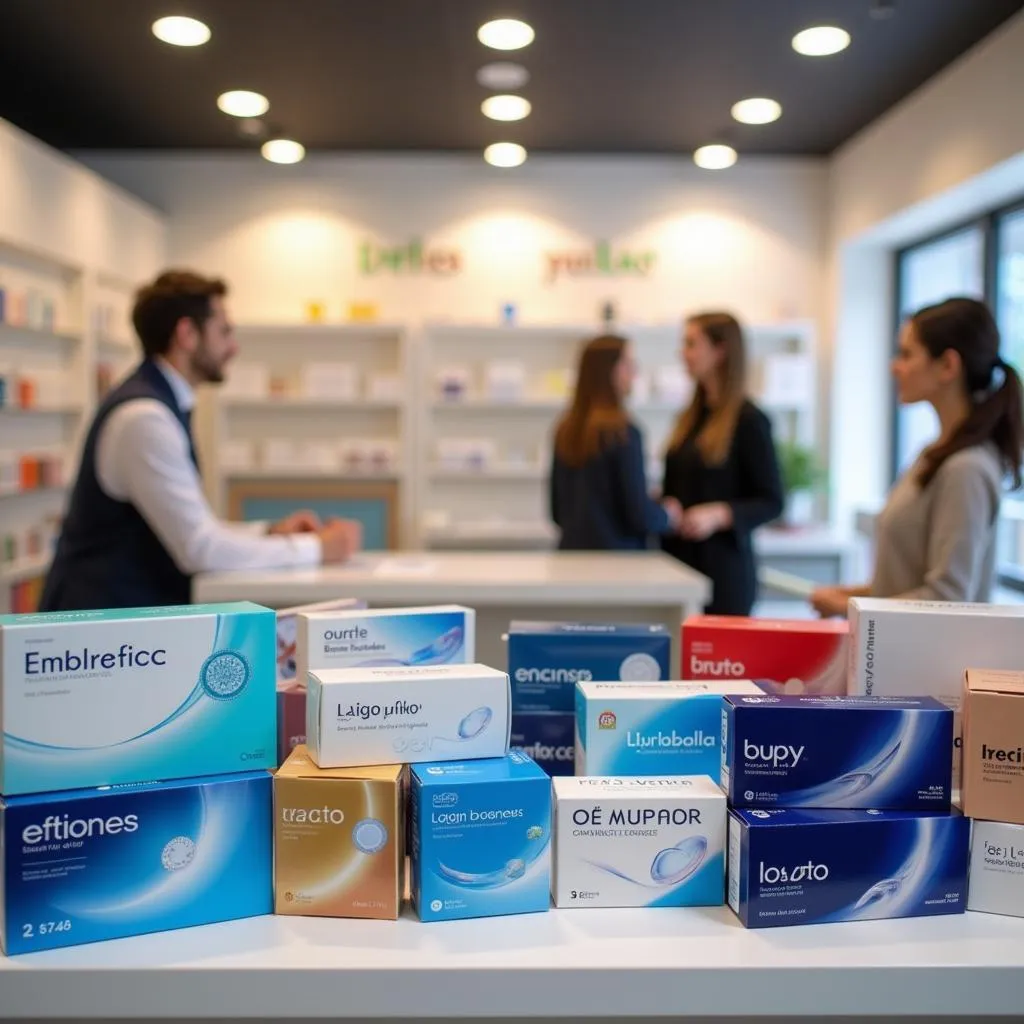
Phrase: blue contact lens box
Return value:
(85, 865)
(97, 698)
(546, 659)
(811, 866)
(837, 752)
(547, 738)
(480, 838)
(660, 729)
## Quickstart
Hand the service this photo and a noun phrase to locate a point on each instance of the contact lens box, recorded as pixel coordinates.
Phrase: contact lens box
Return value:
(387, 715)
(547, 659)
(548, 739)
(784, 656)
(480, 838)
(804, 866)
(97, 698)
(288, 635)
(639, 842)
(997, 868)
(883, 752)
(91, 864)
(338, 839)
(382, 637)
(660, 729)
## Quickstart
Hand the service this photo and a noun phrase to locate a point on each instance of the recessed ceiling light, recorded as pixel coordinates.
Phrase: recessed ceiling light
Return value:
(757, 110)
(505, 154)
(503, 75)
(178, 31)
(821, 41)
(242, 103)
(506, 108)
(283, 151)
(715, 158)
(505, 34)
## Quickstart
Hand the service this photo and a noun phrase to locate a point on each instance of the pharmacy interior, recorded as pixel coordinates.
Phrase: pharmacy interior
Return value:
(466, 774)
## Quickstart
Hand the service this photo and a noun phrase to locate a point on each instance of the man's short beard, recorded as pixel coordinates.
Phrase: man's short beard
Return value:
(205, 369)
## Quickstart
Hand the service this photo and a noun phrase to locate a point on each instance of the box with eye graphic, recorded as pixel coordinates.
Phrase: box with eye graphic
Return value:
(480, 838)
(804, 866)
(639, 842)
(90, 864)
(406, 715)
(338, 839)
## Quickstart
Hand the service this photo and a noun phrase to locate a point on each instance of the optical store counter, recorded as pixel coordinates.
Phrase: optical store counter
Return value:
(593, 963)
(501, 586)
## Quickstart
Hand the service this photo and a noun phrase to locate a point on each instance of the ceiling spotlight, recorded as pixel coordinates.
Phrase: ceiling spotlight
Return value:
(821, 41)
(505, 154)
(242, 103)
(715, 158)
(503, 75)
(505, 34)
(178, 31)
(506, 108)
(757, 110)
(283, 151)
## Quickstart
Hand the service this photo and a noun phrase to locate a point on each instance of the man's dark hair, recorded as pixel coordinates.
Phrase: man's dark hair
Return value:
(173, 295)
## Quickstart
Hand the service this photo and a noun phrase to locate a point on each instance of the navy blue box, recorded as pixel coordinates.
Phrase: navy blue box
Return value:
(548, 738)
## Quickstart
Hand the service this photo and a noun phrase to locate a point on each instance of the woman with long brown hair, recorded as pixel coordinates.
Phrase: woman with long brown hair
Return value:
(721, 466)
(599, 496)
(935, 540)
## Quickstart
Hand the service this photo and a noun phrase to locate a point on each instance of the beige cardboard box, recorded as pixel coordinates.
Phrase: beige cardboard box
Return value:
(338, 839)
(993, 745)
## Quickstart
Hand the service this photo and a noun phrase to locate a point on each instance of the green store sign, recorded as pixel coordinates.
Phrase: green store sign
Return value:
(412, 258)
(601, 261)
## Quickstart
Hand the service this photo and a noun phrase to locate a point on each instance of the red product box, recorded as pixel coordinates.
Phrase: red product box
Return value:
(791, 656)
(291, 718)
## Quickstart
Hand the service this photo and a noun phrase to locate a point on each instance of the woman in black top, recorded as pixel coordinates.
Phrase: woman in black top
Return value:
(599, 496)
(721, 466)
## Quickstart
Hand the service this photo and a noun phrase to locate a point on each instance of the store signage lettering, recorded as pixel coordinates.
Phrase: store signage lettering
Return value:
(412, 258)
(602, 260)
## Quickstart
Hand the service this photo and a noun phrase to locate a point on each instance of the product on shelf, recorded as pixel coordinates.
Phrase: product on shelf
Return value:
(384, 387)
(107, 697)
(480, 838)
(656, 729)
(804, 866)
(638, 842)
(547, 659)
(993, 746)
(997, 868)
(93, 864)
(842, 752)
(338, 839)
(384, 715)
(247, 380)
(236, 456)
(922, 648)
(351, 638)
(505, 381)
(331, 381)
(548, 738)
(453, 383)
(793, 657)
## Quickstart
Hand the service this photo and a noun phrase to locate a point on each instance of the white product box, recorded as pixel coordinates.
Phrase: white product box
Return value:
(407, 715)
(639, 842)
(997, 869)
(236, 455)
(505, 381)
(248, 380)
(384, 387)
(330, 380)
(923, 648)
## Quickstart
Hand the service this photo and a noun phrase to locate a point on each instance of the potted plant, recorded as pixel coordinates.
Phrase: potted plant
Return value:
(802, 477)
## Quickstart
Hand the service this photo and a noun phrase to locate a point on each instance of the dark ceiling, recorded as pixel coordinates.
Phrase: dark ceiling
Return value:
(624, 76)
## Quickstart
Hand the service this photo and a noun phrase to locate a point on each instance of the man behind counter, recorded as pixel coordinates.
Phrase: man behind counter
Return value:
(138, 525)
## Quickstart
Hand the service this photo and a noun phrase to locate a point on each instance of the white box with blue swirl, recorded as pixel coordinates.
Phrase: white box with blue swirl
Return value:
(405, 715)
(892, 753)
(812, 866)
(96, 698)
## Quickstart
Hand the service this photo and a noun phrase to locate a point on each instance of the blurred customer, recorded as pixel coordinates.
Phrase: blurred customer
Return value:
(599, 497)
(721, 466)
(935, 540)
(139, 526)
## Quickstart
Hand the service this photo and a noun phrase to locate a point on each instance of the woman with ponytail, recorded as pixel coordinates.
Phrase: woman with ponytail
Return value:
(936, 538)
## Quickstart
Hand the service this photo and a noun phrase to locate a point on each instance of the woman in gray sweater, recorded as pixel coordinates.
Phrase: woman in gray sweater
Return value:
(935, 540)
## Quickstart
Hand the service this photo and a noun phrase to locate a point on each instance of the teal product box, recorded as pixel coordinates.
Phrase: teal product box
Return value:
(547, 659)
(661, 729)
(104, 698)
(480, 838)
(92, 864)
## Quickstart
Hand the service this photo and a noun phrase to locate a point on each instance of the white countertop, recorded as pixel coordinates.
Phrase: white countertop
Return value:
(563, 963)
(475, 578)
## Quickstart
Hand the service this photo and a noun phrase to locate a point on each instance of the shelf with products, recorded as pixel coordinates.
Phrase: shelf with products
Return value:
(27, 568)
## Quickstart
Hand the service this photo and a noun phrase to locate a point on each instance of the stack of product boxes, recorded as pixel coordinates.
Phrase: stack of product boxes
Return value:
(392, 688)
(133, 769)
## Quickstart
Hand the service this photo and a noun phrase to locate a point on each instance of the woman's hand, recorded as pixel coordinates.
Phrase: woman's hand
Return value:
(830, 602)
(701, 521)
